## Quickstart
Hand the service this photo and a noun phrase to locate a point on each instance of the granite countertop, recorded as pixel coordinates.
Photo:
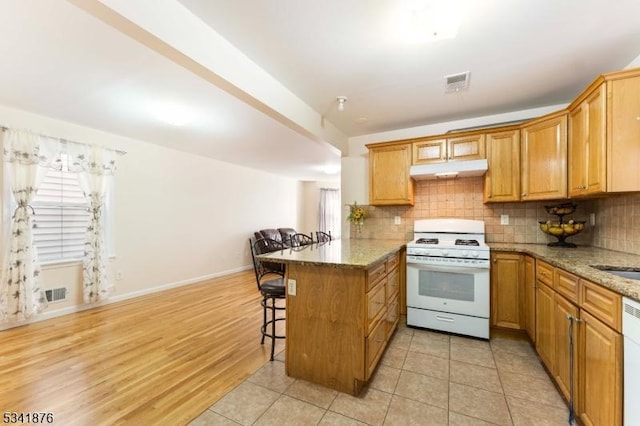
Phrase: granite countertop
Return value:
(578, 261)
(357, 253)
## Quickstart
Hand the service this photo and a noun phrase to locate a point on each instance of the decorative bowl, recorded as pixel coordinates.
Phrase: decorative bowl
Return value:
(561, 209)
(562, 231)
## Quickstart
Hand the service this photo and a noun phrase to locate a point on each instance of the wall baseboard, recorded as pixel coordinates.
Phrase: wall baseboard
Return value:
(74, 309)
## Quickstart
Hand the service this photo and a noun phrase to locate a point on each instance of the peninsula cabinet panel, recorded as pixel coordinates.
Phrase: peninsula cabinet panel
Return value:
(544, 158)
(326, 321)
(600, 373)
(339, 322)
(502, 179)
(389, 180)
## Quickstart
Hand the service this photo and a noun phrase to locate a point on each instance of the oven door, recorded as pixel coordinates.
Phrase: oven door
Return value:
(454, 289)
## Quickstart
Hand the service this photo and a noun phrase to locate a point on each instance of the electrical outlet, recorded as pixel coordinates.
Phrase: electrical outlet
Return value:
(118, 275)
(504, 219)
(592, 219)
(291, 287)
(397, 220)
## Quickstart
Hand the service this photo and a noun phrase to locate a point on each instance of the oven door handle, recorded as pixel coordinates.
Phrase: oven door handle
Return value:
(461, 269)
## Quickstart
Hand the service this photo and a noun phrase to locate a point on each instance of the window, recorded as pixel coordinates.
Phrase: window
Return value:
(329, 211)
(61, 215)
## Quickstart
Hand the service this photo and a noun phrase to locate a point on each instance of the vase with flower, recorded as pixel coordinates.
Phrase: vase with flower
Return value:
(356, 216)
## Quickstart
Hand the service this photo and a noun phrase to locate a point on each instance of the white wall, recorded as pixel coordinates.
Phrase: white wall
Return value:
(178, 217)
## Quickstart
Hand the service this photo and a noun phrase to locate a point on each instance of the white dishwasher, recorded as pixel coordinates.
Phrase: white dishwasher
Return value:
(631, 332)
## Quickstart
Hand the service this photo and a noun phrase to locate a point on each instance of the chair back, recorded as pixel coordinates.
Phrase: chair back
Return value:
(299, 239)
(263, 269)
(323, 237)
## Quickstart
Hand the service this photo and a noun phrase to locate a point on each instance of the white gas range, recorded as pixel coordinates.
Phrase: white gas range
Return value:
(448, 277)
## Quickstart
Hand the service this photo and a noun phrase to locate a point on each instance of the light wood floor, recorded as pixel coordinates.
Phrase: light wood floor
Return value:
(158, 359)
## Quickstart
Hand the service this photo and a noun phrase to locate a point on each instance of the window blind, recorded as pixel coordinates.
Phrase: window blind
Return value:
(61, 217)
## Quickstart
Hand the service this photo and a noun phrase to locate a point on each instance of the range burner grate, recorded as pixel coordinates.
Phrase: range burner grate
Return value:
(460, 242)
(427, 241)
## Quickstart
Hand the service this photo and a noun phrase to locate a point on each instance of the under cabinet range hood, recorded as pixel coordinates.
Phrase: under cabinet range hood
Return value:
(449, 169)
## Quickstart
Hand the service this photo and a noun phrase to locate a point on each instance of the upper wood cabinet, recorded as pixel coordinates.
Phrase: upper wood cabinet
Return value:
(604, 127)
(438, 150)
(502, 180)
(544, 158)
(389, 180)
(587, 144)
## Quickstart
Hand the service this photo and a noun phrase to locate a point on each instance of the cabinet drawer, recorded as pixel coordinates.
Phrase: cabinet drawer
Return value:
(567, 285)
(393, 284)
(393, 262)
(375, 343)
(604, 304)
(375, 274)
(376, 299)
(544, 273)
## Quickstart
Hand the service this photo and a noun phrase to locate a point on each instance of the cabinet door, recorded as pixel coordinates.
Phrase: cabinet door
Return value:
(544, 159)
(466, 148)
(623, 134)
(595, 105)
(507, 273)
(389, 180)
(600, 373)
(545, 331)
(502, 180)
(566, 346)
(530, 297)
(430, 151)
(577, 155)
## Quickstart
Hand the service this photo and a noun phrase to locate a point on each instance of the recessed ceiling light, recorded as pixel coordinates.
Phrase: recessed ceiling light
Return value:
(172, 113)
(428, 20)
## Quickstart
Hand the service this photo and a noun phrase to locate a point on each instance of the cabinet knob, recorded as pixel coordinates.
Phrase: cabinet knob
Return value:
(524, 194)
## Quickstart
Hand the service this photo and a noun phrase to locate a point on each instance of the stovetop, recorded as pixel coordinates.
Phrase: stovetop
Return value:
(443, 241)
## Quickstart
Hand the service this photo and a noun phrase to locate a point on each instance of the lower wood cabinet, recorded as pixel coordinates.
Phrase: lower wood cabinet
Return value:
(600, 373)
(566, 315)
(507, 296)
(530, 297)
(577, 337)
(545, 330)
(340, 321)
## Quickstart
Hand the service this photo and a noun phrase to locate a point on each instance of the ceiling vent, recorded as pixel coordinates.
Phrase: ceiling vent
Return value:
(456, 82)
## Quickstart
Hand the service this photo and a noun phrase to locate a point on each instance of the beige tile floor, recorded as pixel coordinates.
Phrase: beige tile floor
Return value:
(424, 378)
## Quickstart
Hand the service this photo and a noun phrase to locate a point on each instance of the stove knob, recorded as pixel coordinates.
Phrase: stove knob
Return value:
(474, 254)
(465, 253)
(445, 252)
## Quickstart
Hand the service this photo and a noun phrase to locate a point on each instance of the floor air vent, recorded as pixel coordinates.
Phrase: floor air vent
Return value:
(456, 82)
(56, 294)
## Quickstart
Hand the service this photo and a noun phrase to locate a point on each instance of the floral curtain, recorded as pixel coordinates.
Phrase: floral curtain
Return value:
(95, 167)
(329, 212)
(20, 293)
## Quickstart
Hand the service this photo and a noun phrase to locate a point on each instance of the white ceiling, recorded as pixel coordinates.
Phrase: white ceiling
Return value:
(65, 60)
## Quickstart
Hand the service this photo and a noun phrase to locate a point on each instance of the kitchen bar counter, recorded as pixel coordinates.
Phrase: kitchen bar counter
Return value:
(342, 308)
(338, 253)
(579, 260)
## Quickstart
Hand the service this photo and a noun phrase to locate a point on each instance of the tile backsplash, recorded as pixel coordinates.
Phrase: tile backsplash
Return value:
(617, 217)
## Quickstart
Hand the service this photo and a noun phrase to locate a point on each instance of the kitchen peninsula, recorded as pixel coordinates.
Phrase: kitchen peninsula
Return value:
(342, 309)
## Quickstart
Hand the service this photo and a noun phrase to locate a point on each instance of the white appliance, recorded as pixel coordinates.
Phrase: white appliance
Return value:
(631, 332)
(448, 277)
(449, 169)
